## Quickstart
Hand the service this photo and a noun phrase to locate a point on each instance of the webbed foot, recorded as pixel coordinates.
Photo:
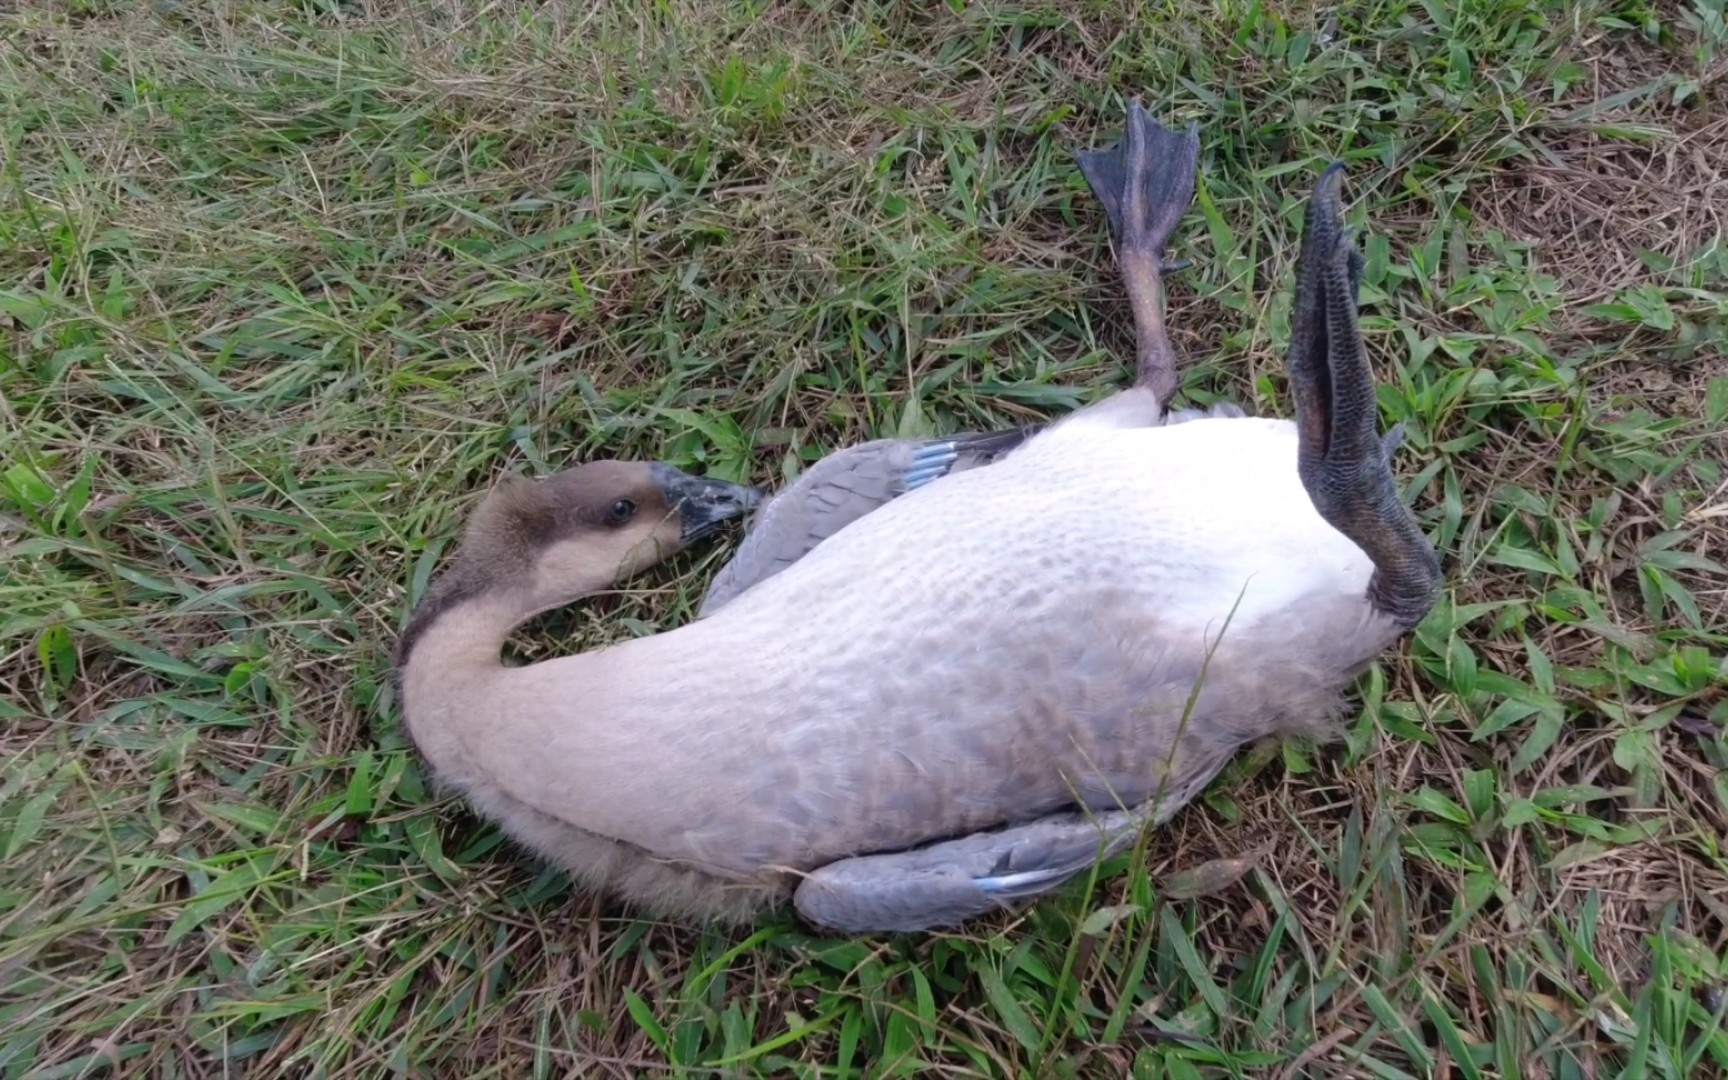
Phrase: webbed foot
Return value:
(1146, 183)
(1344, 462)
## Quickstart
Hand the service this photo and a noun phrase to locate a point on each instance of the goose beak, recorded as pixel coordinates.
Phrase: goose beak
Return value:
(703, 503)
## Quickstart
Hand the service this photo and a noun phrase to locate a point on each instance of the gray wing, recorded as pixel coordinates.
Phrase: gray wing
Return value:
(840, 489)
(947, 882)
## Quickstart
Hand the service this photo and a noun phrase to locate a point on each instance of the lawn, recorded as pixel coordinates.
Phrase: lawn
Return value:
(285, 286)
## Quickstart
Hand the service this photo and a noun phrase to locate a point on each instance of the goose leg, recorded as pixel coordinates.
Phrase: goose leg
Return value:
(1344, 462)
(1146, 183)
(946, 883)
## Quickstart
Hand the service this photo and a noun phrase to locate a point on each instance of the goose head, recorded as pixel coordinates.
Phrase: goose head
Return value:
(598, 524)
(535, 545)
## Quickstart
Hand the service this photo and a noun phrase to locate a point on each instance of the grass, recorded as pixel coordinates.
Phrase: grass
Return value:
(284, 286)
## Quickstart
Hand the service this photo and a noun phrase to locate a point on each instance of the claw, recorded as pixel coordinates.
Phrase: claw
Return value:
(1391, 441)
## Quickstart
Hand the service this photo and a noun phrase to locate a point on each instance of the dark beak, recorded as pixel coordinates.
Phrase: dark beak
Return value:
(704, 504)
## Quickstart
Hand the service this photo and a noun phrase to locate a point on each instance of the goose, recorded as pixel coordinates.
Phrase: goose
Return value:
(964, 697)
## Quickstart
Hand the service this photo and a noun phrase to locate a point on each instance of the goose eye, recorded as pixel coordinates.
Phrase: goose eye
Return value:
(620, 512)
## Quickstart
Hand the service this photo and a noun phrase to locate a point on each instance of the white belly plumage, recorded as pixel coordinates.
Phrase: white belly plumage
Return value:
(1194, 512)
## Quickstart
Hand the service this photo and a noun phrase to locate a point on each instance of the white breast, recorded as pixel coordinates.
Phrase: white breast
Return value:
(1190, 516)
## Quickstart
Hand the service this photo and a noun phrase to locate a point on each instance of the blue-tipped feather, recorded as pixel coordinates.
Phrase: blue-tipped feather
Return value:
(929, 463)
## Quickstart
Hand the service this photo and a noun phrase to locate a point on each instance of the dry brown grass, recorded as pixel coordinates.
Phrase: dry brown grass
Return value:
(1634, 162)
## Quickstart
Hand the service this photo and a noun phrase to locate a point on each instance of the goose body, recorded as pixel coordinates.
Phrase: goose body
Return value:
(964, 656)
(972, 689)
